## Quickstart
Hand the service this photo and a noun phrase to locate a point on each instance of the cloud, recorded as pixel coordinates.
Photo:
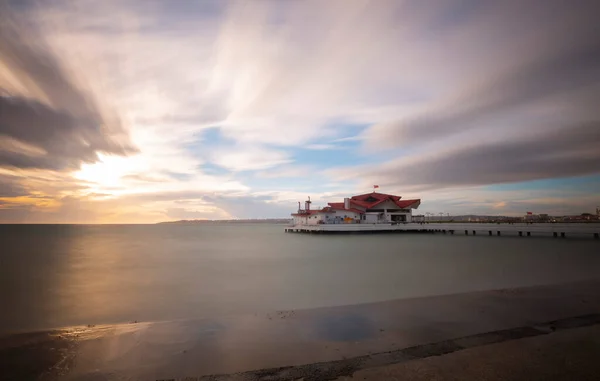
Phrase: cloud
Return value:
(186, 214)
(33, 135)
(286, 171)
(551, 56)
(47, 121)
(321, 146)
(552, 198)
(462, 93)
(560, 152)
(250, 206)
(248, 158)
(66, 210)
(212, 205)
(140, 177)
(10, 187)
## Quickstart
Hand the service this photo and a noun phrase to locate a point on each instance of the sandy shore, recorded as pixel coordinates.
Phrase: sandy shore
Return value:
(314, 344)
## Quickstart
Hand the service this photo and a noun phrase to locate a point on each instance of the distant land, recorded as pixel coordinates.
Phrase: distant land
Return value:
(585, 217)
(238, 221)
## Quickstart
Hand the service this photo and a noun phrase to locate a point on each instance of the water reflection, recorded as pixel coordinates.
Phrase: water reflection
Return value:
(350, 327)
(34, 263)
(62, 275)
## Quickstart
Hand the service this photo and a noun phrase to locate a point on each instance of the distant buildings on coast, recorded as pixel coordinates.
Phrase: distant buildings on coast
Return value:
(389, 208)
(235, 221)
(530, 217)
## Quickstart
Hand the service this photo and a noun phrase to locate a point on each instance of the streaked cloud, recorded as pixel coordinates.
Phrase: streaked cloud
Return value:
(145, 111)
(47, 120)
(238, 158)
(10, 187)
(561, 152)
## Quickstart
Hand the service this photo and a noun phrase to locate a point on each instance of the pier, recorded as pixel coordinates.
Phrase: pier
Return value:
(385, 213)
(556, 230)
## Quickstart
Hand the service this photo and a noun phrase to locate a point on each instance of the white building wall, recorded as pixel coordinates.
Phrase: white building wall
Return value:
(313, 219)
(326, 218)
(371, 218)
(300, 220)
(340, 214)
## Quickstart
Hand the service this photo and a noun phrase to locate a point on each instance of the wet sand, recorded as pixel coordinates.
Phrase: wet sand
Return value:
(345, 339)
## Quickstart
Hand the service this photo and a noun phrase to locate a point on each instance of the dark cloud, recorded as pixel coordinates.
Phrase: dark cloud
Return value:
(560, 152)
(10, 187)
(550, 49)
(60, 140)
(30, 60)
(65, 125)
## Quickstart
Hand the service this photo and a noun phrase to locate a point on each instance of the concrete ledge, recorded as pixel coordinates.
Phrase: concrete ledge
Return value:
(347, 367)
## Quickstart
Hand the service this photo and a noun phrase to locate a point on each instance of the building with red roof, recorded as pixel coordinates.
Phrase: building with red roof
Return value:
(368, 208)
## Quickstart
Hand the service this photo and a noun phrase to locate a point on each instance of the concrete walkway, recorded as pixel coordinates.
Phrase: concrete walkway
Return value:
(564, 355)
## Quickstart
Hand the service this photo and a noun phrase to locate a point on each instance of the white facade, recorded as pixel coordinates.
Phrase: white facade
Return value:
(342, 216)
(329, 217)
(310, 219)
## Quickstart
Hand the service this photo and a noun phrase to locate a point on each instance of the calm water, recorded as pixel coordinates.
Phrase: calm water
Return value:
(61, 275)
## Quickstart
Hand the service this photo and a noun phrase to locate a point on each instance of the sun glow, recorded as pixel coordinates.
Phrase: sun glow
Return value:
(109, 170)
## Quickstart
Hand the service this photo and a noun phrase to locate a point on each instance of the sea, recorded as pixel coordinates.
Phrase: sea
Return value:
(55, 276)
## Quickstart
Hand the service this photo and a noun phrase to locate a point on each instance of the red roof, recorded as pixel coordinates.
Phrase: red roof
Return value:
(340, 206)
(369, 200)
(406, 203)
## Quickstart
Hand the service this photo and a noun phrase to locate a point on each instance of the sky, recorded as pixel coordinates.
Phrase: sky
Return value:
(147, 111)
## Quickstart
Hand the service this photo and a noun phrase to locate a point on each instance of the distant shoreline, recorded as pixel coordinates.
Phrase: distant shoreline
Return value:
(458, 219)
(238, 221)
